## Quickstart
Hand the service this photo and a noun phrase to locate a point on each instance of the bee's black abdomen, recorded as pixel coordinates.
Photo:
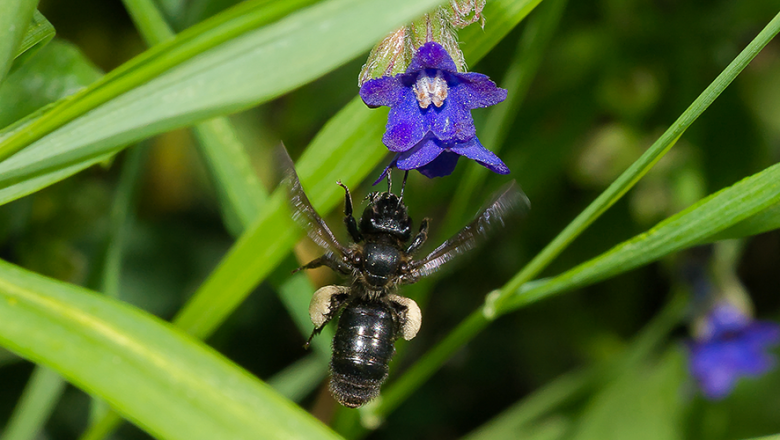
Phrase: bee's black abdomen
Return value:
(362, 349)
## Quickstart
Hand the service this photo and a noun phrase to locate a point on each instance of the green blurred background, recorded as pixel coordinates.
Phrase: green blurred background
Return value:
(614, 76)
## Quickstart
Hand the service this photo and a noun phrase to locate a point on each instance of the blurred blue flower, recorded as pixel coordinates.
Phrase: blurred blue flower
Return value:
(430, 123)
(731, 345)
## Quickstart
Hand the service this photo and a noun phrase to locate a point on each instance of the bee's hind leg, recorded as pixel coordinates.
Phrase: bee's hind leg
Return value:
(409, 312)
(325, 304)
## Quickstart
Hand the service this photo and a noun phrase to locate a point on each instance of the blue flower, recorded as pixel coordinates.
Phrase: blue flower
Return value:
(731, 346)
(430, 123)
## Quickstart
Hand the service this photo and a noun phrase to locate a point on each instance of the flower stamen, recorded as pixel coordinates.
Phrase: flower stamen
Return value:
(431, 90)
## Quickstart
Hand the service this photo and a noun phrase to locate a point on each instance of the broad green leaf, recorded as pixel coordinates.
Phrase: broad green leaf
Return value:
(164, 381)
(14, 21)
(243, 71)
(38, 35)
(690, 227)
(346, 149)
(56, 71)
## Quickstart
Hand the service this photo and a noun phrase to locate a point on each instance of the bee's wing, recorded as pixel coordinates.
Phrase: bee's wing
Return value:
(302, 211)
(508, 200)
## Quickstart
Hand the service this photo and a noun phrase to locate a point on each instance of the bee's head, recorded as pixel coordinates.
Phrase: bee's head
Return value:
(386, 214)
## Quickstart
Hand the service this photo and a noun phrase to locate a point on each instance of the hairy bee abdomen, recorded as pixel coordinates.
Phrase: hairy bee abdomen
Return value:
(362, 349)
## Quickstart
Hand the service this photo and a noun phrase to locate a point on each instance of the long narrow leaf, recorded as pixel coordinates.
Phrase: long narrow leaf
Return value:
(14, 20)
(37, 36)
(766, 220)
(688, 228)
(169, 384)
(244, 71)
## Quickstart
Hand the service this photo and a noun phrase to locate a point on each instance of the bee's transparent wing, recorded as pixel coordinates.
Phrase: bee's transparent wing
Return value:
(302, 211)
(508, 200)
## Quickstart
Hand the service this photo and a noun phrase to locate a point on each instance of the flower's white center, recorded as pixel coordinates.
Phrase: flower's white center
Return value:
(430, 90)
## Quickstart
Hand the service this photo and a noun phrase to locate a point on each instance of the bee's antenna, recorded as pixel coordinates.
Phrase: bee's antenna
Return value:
(403, 185)
(390, 181)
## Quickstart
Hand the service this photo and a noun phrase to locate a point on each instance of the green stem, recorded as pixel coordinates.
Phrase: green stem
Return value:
(639, 168)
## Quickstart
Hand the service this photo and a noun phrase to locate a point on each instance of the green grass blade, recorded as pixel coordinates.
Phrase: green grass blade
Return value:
(149, 22)
(241, 194)
(33, 409)
(346, 149)
(59, 69)
(38, 35)
(642, 165)
(687, 228)
(102, 427)
(153, 63)
(164, 381)
(297, 380)
(14, 22)
(120, 221)
(764, 221)
(247, 69)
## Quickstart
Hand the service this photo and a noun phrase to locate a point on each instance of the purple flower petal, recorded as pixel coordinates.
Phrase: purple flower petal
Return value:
(443, 165)
(422, 154)
(385, 90)
(387, 169)
(452, 122)
(474, 150)
(762, 334)
(477, 91)
(406, 126)
(431, 55)
(439, 119)
(732, 346)
(724, 318)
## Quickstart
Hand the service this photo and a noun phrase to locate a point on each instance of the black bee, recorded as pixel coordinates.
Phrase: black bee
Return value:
(380, 259)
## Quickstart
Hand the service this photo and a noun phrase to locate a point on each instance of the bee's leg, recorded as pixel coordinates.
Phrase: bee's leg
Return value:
(349, 220)
(324, 306)
(328, 260)
(420, 238)
(409, 312)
